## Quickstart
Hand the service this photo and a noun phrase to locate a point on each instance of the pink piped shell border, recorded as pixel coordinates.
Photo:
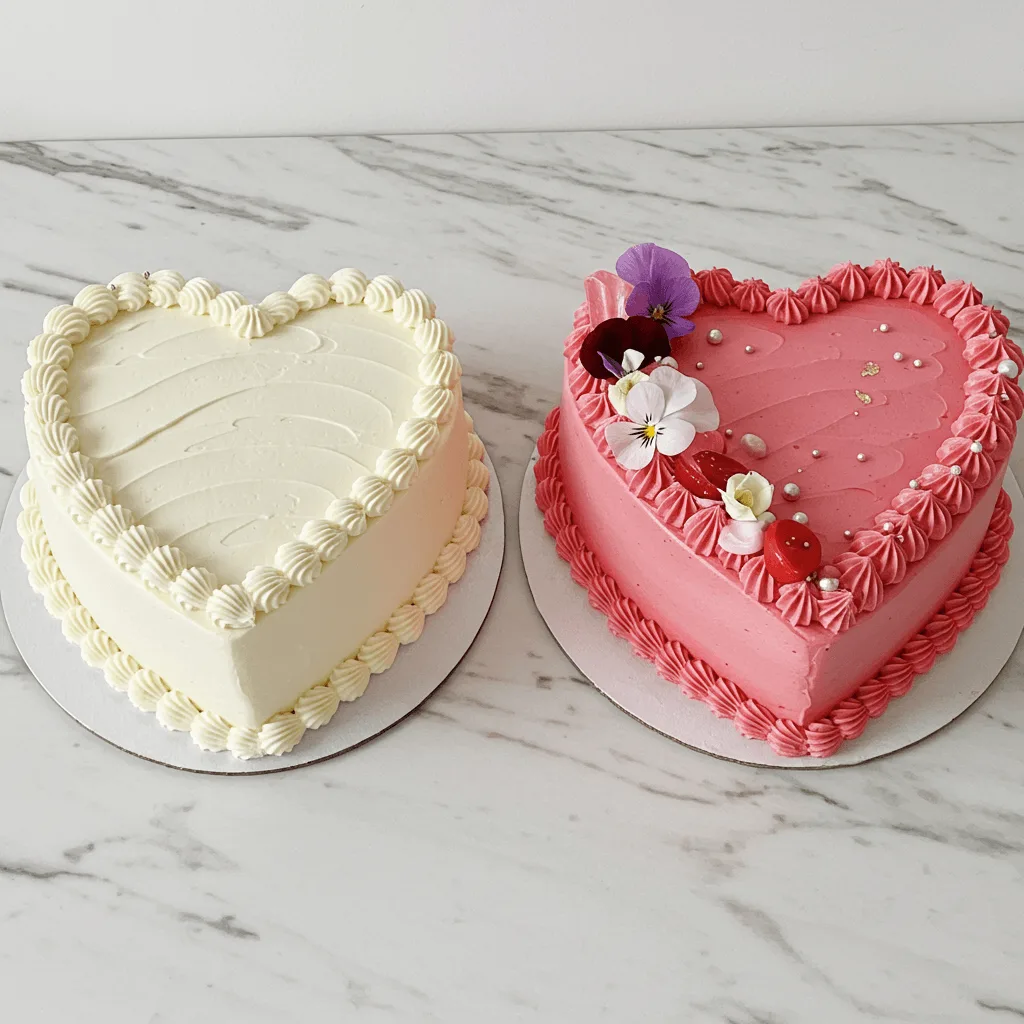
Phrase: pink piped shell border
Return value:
(698, 680)
(984, 418)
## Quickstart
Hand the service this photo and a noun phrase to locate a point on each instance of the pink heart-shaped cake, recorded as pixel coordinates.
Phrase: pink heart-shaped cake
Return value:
(797, 510)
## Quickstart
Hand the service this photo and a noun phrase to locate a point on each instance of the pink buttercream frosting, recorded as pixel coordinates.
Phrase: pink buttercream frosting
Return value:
(696, 679)
(675, 505)
(976, 320)
(702, 529)
(885, 553)
(750, 295)
(757, 582)
(917, 518)
(954, 296)
(849, 280)
(923, 284)
(798, 603)
(818, 295)
(785, 306)
(985, 352)
(887, 278)
(716, 286)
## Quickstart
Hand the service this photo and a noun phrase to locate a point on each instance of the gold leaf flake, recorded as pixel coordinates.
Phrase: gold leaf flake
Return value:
(863, 396)
(870, 369)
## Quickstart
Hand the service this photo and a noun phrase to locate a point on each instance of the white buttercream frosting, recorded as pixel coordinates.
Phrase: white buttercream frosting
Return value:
(327, 538)
(44, 379)
(50, 348)
(398, 466)
(231, 607)
(367, 433)
(196, 295)
(311, 291)
(267, 586)
(281, 307)
(433, 336)
(68, 321)
(413, 307)
(131, 290)
(97, 302)
(348, 286)
(222, 307)
(164, 286)
(251, 322)
(382, 292)
(193, 588)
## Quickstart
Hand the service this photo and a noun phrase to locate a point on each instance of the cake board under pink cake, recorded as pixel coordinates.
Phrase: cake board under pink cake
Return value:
(935, 700)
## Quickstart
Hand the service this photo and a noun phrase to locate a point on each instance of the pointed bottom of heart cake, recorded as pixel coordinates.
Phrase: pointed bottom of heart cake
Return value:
(419, 669)
(721, 723)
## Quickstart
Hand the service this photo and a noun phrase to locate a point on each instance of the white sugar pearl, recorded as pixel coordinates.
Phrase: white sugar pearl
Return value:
(955, 470)
(714, 336)
(884, 328)
(815, 453)
(898, 356)
(918, 363)
(847, 534)
(1008, 368)
(861, 457)
(700, 366)
(976, 447)
(754, 445)
(886, 527)
(800, 517)
(748, 349)
(791, 492)
(728, 431)
(914, 484)
(828, 583)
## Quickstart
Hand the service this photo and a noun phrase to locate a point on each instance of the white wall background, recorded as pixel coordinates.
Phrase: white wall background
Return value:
(106, 69)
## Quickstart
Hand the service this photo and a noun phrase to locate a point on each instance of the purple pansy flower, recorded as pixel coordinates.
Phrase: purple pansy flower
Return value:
(663, 288)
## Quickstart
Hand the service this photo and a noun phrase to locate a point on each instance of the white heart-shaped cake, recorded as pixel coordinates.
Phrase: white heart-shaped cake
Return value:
(240, 511)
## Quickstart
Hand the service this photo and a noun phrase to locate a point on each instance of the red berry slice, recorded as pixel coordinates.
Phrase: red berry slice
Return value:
(791, 551)
(717, 468)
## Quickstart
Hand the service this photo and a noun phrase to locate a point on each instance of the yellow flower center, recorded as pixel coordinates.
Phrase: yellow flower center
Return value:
(651, 431)
(657, 313)
(745, 497)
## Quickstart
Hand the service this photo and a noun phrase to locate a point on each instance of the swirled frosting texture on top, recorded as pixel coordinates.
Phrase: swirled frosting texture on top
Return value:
(228, 447)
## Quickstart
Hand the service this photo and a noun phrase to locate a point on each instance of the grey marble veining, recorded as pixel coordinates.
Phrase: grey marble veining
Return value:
(519, 849)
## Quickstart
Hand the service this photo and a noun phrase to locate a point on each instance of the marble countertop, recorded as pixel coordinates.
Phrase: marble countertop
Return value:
(518, 849)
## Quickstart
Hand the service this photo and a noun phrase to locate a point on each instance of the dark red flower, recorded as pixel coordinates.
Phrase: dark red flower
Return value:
(613, 338)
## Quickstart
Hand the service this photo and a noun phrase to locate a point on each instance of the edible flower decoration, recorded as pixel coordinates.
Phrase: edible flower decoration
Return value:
(631, 374)
(747, 498)
(665, 413)
(663, 288)
(603, 353)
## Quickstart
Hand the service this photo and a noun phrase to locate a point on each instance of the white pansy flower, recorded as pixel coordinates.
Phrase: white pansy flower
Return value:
(747, 498)
(666, 411)
(631, 363)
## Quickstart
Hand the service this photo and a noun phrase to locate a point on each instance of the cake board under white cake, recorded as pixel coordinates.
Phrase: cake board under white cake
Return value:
(956, 681)
(419, 669)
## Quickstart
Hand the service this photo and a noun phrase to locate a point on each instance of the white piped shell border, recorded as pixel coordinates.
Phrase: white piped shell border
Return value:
(55, 444)
(316, 705)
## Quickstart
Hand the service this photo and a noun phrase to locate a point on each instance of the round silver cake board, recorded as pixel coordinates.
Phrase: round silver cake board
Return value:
(936, 699)
(418, 670)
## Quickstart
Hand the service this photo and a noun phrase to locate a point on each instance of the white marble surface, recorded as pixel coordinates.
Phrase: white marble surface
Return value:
(518, 850)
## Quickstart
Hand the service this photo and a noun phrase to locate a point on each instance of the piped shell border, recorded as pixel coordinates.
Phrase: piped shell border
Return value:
(674, 663)
(316, 705)
(137, 548)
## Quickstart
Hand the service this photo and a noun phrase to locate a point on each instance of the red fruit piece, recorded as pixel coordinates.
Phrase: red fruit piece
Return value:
(717, 468)
(791, 551)
(693, 480)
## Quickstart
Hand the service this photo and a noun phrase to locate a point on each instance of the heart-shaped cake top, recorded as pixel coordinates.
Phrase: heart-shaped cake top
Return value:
(867, 406)
(227, 450)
